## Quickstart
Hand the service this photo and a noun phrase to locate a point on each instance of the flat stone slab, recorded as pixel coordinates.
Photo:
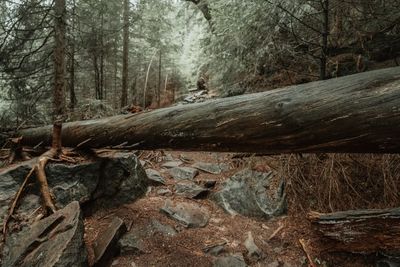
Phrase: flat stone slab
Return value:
(132, 242)
(54, 241)
(172, 164)
(155, 177)
(183, 173)
(234, 260)
(247, 193)
(190, 189)
(105, 246)
(190, 215)
(212, 168)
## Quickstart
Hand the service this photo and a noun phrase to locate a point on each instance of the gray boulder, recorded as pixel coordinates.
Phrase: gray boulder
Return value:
(247, 193)
(54, 241)
(119, 178)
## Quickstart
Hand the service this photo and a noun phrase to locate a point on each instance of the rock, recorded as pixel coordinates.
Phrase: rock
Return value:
(164, 192)
(183, 173)
(155, 177)
(119, 178)
(215, 249)
(191, 190)
(208, 167)
(131, 243)
(168, 157)
(252, 249)
(172, 164)
(105, 246)
(190, 215)
(54, 241)
(273, 264)
(247, 193)
(388, 262)
(209, 183)
(235, 260)
(156, 226)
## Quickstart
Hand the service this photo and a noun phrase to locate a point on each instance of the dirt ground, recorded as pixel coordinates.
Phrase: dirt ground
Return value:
(277, 238)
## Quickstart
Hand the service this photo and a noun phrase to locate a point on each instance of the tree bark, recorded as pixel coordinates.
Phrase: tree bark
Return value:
(356, 113)
(72, 96)
(125, 52)
(358, 231)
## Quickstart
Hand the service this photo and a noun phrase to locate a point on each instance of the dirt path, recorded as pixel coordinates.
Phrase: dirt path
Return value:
(276, 238)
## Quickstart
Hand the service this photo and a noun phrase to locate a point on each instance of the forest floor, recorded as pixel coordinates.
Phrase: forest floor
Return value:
(277, 238)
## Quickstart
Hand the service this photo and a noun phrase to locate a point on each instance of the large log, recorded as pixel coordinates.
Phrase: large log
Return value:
(359, 231)
(357, 113)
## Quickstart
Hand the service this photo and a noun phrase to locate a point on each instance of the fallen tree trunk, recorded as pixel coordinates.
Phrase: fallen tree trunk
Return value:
(359, 231)
(357, 113)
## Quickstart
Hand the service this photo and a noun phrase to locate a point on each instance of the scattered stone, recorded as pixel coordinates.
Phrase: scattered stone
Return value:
(168, 157)
(105, 246)
(185, 159)
(191, 190)
(156, 226)
(247, 193)
(183, 173)
(208, 167)
(118, 177)
(234, 260)
(155, 177)
(132, 243)
(273, 264)
(252, 249)
(190, 215)
(54, 241)
(215, 249)
(164, 192)
(172, 164)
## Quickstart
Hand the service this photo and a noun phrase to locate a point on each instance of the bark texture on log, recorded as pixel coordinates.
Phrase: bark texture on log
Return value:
(359, 231)
(357, 113)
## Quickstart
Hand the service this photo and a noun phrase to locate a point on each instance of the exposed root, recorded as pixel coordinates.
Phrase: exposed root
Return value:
(39, 169)
(304, 247)
(42, 179)
(15, 202)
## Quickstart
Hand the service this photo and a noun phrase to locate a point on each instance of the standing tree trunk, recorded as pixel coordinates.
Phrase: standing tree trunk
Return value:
(159, 81)
(125, 62)
(72, 95)
(325, 35)
(59, 72)
(101, 78)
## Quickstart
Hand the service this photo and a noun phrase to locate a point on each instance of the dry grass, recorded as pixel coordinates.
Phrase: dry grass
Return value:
(333, 182)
